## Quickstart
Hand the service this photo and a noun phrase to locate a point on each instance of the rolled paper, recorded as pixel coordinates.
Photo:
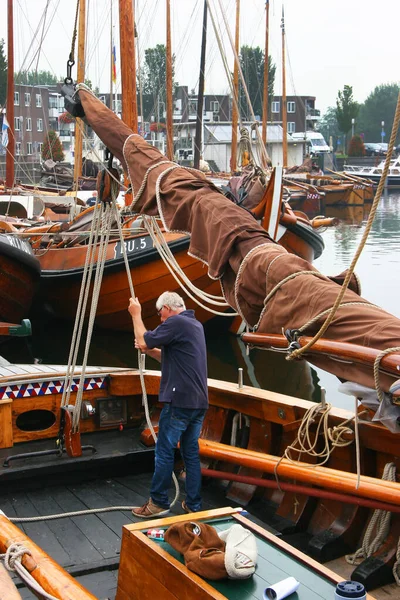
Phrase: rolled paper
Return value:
(282, 589)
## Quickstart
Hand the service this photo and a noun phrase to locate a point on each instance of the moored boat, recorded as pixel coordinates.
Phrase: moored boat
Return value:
(374, 173)
(20, 274)
(323, 509)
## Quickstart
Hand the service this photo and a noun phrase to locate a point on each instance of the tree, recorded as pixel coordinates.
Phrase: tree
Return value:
(252, 65)
(36, 78)
(3, 74)
(356, 146)
(346, 110)
(52, 147)
(379, 106)
(329, 127)
(154, 82)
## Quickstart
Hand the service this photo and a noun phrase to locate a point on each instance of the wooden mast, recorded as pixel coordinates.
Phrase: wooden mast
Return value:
(128, 70)
(80, 78)
(169, 107)
(200, 98)
(10, 151)
(128, 64)
(266, 75)
(284, 112)
(235, 104)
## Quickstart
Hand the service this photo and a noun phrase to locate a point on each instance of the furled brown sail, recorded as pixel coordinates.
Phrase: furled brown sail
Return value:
(238, 251)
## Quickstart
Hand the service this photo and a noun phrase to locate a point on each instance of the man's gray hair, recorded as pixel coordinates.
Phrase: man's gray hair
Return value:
(172, 300)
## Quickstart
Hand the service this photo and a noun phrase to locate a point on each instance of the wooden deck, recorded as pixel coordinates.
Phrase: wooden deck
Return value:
(88, 546)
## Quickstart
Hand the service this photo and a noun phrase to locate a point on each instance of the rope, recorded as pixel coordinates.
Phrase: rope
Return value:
(75, 32)
(379, 523)
(332, 436)
(297, 353)
(376, 369)
(12, 561)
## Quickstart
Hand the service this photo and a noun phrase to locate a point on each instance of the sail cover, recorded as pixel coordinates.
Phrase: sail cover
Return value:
(271, 289)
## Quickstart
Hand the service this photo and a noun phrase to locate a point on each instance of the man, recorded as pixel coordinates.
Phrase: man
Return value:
(179, 344)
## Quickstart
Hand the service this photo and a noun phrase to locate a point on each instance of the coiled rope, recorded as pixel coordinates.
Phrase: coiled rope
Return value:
(377, 530)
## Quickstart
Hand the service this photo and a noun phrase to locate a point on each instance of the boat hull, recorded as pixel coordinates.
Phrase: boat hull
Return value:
(62, 271)
(20, 274)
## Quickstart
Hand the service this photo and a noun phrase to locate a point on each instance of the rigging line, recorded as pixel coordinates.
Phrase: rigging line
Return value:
(42, 36)
(263, 148)
(223, 57)
(364, 238)
(34, 39)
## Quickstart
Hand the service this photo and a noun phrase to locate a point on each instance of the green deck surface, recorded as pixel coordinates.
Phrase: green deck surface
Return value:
(273, 565)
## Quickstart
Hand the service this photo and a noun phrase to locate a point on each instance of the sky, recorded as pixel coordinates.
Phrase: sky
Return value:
(329, 43)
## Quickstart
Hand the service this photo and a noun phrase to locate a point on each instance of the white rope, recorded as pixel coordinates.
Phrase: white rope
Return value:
(12, 561)
(379, 524)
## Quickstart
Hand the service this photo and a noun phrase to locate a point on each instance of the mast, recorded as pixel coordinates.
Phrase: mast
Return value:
(200, 97)
(284, 112)
(80, 78)
(128, 64)
(169, 107)
(111, 57)
(10, 151)
(266, 75)
(236, 93)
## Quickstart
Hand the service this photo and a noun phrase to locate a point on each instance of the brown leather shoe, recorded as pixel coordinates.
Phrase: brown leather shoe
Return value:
(186, 508)
(149, 510)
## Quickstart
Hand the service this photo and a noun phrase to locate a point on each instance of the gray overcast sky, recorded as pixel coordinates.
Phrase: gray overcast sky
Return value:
(330, 43)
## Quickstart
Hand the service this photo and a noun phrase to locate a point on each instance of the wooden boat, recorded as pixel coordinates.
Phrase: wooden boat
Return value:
(20, 274)
(320, 509)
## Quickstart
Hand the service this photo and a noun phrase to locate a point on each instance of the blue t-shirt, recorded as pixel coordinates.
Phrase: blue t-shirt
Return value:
(183, 360)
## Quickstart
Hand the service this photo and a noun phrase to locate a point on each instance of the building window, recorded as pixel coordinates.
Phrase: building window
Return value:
(16, 98)
(193, 106)
(17, 123)
(40, 147)
(28, 124)
(214, 106)
(27, 98)
(38, 101)
(29, 148)
(18, 148)
(102, 99)
(291, 107)
(39, 124)
(291, 127)
(276, 107)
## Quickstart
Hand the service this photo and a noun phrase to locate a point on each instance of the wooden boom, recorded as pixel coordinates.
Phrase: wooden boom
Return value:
(333, 479)
(43, 569)
(341, 350)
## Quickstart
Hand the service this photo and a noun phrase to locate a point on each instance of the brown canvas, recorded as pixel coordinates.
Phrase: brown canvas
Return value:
(240, 253)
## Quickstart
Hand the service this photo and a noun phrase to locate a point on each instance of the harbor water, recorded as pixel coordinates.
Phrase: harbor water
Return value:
(378, 269)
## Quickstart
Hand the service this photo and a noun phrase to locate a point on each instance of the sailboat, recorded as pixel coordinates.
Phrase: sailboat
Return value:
(245, 427)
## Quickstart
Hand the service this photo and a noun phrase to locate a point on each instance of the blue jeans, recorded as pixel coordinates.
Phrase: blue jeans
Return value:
(176, 424)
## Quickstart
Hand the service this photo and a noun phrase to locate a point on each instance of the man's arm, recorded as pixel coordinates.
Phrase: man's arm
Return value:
(135, 311)
(154, 352)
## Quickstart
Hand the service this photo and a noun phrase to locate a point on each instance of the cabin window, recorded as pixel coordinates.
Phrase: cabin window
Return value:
(16, 98)
(17, 123)
(29, 148)
(39, 124)
(193, 106)
(38, 101)
(276, 107)
(291, 127)
(291, 107)
(214, 106)
(28, 124)
(27, 98)
(18, 148)
(35, 420)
